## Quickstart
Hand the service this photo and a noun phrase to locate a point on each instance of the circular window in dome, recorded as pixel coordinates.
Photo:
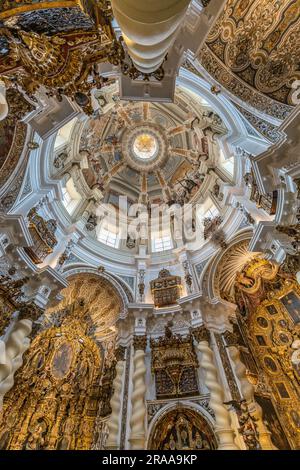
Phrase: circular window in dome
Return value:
(145, 146)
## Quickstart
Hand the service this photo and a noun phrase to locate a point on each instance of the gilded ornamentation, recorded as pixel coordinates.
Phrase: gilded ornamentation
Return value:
(106, 389)
(201, 333)
(56, 393)
(271, 302)
(232, 261)
(101, 300)
(13, 134)
(166, 289)
(291, 264)
(174, 363)
(120, 353)
(292, 231)
(43, 236)
(182, 429)
(12, 300)
(140, 342)
(248, 427)
(64, 63)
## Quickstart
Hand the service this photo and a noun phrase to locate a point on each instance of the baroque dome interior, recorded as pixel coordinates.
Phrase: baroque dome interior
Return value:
(149, 225)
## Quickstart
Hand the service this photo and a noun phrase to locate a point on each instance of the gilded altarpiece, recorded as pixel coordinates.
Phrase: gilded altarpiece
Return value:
(174, 364)
(269, 305)
(182, 429)
(54, 402)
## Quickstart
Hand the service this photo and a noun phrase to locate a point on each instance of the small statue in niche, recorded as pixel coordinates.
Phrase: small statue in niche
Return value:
(36, 439)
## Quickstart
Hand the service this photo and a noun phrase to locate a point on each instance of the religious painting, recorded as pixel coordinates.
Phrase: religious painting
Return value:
(271, 419)
(270, 364)
(261, 340)
(282, 390)
(272, 310)
(182, 429)
(62, 361)
(291, 302)
(263, 322)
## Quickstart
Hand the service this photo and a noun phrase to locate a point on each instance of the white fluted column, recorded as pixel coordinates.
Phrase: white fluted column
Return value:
(247, 391)
(223, 428)
(3, 102)
(113, 441)
(16, 343)
(149, 28)
(138, 410)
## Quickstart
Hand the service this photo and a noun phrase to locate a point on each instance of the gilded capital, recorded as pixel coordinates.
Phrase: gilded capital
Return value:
(231, 339)
(120, 353)
(200, 334)
(140, 342)
(30, 312)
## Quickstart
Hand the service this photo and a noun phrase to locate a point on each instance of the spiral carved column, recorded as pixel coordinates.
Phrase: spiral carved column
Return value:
(223, 423)
(247, 391)
(138, 412)
(16, 343)
(3, 102)
(149, 28)
(116, 402)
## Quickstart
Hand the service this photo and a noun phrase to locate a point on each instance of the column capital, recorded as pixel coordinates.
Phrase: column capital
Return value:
(30, 312)
(200, 334)
(140, 342)
(231, 339)
(120, 353)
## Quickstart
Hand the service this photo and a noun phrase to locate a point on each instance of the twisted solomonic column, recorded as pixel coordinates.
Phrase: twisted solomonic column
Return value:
(113, 422)
(149, 28)
(138, 411)
(3, 102)
(16, 343)
(223, 422)
(247, 391)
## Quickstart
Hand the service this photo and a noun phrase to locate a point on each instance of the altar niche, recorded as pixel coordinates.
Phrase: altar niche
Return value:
(182, 429)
